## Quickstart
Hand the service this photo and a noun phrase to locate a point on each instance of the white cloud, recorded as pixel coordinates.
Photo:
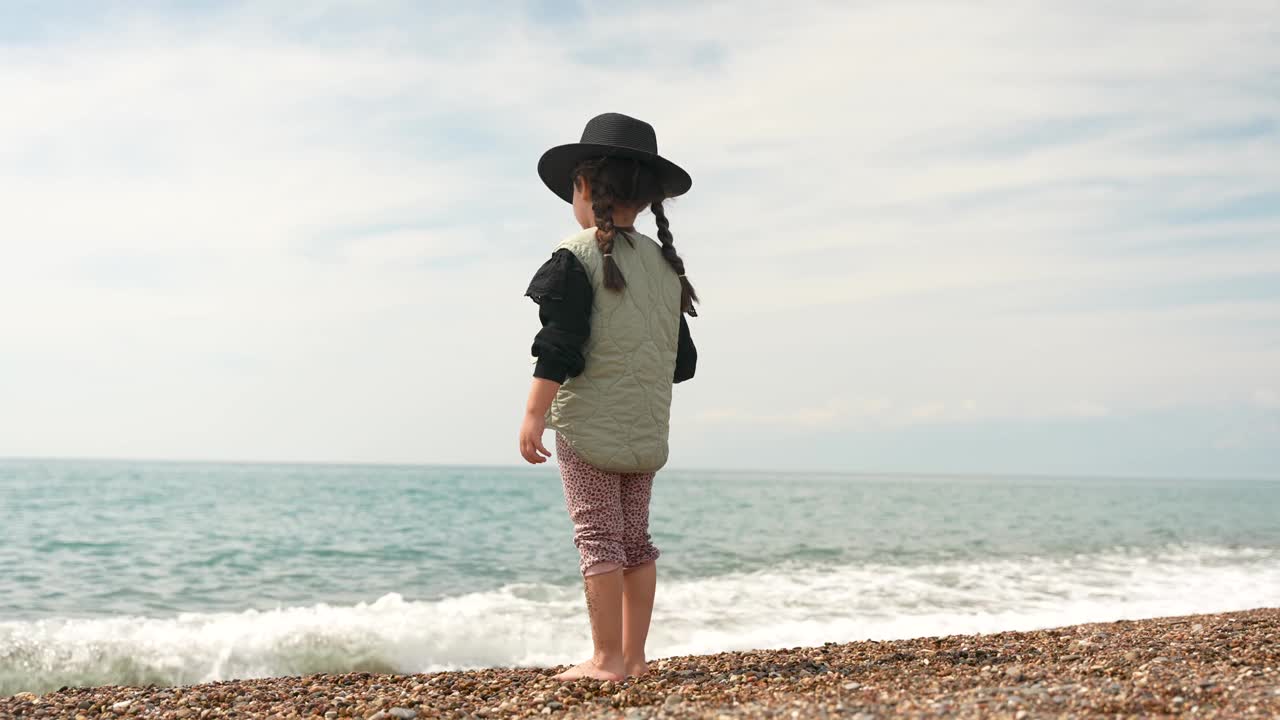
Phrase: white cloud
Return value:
(272, 236)
(1266, 399)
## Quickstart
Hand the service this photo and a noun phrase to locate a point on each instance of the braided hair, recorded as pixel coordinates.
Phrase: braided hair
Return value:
(632, 183)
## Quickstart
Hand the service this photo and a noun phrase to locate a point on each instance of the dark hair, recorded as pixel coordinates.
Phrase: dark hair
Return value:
(633, 183)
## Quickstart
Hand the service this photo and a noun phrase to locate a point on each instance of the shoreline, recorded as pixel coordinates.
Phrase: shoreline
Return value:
(1209, 665)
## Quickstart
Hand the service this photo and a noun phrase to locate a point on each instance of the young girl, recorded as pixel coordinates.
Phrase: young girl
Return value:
(613, 341)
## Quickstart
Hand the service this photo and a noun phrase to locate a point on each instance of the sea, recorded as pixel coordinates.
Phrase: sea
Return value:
(115, 572)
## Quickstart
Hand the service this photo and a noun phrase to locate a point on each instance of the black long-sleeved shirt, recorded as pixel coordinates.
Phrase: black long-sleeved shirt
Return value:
(564, 294)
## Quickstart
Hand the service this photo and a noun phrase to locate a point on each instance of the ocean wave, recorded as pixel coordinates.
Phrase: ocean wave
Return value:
(536, 624)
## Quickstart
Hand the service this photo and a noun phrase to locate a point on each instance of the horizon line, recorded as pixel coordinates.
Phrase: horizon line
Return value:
(698, 469)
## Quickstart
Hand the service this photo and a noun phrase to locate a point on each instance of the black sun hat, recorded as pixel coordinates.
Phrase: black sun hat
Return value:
(614, 135)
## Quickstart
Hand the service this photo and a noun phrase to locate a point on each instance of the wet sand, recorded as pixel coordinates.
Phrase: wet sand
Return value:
(1216, 666)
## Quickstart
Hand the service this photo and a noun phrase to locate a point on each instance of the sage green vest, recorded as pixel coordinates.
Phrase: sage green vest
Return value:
(616, 413)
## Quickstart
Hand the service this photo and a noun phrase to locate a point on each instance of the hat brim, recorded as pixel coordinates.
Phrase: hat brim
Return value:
(556, 164)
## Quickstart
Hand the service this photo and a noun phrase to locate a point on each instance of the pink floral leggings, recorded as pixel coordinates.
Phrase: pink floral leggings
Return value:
(610, 513)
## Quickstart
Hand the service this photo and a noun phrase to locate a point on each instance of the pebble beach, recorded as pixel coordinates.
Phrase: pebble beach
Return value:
(1220, 665)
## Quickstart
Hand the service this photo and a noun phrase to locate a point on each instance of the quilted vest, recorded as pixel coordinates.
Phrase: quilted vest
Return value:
(616, 413)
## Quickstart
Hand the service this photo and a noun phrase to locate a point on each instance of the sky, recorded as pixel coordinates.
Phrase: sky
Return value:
(934, 237)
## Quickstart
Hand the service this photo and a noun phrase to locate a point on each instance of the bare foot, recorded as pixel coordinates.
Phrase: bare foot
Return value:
(637, 669)
(589, 669)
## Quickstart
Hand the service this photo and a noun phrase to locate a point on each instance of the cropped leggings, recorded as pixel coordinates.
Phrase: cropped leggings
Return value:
(610, 513)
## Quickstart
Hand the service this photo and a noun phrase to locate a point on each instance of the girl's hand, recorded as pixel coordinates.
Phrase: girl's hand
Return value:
(541, 393)
(531, 439)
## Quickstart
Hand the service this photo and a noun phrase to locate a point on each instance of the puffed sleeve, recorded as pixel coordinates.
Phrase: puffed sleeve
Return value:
(563, 293)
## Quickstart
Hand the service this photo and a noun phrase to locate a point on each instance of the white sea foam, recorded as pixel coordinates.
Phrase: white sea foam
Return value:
(543, 624)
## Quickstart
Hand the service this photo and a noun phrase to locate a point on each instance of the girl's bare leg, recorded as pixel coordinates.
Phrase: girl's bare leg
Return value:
(604, 606)
(638, 585)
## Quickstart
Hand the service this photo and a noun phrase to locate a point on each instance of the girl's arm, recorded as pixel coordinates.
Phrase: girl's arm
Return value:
(686, 353)
(563, 292)
(541, 393)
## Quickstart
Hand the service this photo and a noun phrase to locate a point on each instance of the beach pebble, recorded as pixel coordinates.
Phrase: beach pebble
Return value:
(1223, 671)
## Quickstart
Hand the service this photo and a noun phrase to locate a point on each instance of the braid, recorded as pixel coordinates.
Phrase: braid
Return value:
(687, 294)
(602, 194)
(629, 183)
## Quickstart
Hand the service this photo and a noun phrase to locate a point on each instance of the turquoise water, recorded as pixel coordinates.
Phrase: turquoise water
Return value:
(177, 572)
